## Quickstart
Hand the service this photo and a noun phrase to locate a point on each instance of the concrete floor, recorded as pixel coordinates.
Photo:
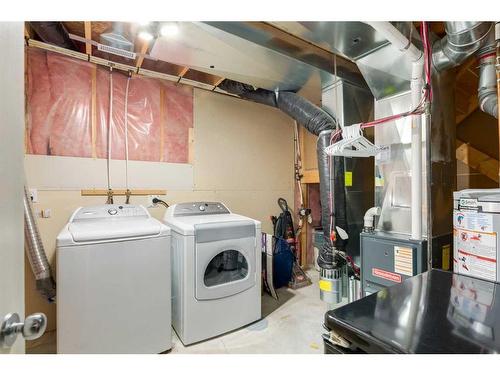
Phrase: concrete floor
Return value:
(293, 324)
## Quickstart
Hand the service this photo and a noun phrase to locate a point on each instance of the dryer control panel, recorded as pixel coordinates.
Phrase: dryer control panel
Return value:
(200, 208)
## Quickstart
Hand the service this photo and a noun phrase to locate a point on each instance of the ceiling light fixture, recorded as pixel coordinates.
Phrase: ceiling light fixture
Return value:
(145, 35)
(169, 30)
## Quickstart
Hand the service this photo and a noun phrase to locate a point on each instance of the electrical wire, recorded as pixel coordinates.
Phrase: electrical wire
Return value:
(162, 202)
(426, 97)
(417, 111)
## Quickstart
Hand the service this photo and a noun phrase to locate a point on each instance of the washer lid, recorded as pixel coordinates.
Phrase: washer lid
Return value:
(108, 229)
(110, 222)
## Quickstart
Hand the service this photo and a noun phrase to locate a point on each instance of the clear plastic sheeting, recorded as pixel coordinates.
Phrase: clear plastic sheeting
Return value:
(59, 92)
(60, 117)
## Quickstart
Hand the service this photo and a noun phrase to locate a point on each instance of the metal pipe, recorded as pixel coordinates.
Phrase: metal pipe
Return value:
(36, 253)
(487, 88)
(462, 40)
(428, 169)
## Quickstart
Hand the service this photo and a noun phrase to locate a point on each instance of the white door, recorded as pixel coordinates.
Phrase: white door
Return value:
(11, 174)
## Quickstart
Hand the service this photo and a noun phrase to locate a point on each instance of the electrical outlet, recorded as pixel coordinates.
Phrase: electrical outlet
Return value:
(34, 195)
(150, 201)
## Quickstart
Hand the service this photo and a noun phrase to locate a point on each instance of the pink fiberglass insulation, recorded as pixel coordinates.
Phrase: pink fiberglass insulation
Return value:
(179, 118)
(143, 117)
(59, 94)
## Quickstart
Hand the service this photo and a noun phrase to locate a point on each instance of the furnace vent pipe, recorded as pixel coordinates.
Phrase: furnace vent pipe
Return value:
(487, 90)
(36, 253)
(462, 40)
(397, 39)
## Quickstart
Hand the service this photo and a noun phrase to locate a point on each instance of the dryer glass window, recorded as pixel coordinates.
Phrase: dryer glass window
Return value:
(225, 267)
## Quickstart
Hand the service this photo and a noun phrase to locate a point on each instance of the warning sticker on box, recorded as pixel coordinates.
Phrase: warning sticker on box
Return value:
(386, 275)
(403, 260)
(476, 253)
(473, 221)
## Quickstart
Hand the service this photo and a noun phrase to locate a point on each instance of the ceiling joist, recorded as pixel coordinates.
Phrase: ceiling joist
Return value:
(88, 37)
(477, 160)
(142, 54)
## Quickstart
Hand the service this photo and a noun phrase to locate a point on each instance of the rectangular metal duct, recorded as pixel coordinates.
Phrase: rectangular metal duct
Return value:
(352, 104)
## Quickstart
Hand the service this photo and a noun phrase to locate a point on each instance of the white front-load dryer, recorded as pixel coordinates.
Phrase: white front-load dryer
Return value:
(216, 270)
(113, 282)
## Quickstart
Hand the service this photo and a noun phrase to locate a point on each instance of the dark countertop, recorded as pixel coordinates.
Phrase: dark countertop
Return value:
(434, 312)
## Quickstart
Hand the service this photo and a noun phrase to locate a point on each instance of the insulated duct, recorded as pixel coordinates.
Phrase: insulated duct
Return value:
(53, 33)
(36, 253)
(331, 174)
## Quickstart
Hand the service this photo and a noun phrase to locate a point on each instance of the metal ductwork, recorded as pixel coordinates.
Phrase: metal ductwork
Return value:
(462, 40)
(36, 253)
(116, 38)
(53, 33)
(331, 173)
(487, 90)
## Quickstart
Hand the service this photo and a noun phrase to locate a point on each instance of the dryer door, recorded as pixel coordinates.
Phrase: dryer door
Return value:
(225, 259)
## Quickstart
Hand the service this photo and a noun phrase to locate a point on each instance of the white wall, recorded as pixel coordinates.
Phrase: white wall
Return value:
(243, 156)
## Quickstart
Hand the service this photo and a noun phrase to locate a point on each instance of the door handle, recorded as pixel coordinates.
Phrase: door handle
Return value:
(33, 327)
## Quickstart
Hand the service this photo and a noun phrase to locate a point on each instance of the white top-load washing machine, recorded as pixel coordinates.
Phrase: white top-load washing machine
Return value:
(216, 270)
(113, 282)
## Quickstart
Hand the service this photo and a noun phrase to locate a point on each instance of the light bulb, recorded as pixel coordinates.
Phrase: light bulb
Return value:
(169, 29)
(145, 35)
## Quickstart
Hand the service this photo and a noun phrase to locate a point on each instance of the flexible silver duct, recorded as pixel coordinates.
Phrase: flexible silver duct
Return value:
(487, 91)
(461, 41)
(36, 253)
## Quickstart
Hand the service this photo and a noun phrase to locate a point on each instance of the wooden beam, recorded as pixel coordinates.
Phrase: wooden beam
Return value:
(218, 82)
(473, 105)
(142, 53)
(477, 160)
(310, 177)
(88, 35)
(183, 72)
(27, 34)
(104, 192)
(93, 111)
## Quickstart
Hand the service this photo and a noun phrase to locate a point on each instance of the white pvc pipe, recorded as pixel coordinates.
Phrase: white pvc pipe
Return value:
(416, 153)
(126, 132)
(401, 42)
(398, 40)
(369, 218)
(110, 119)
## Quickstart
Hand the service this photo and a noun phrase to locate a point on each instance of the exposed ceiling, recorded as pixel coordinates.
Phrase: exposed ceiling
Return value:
(303, 46)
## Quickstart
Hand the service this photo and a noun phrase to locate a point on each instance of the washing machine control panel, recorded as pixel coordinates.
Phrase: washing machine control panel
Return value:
(110, 210)
(200, 208)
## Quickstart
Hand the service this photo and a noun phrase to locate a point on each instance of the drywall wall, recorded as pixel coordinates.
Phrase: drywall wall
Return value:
(242, 155)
